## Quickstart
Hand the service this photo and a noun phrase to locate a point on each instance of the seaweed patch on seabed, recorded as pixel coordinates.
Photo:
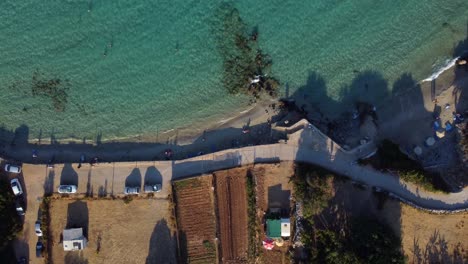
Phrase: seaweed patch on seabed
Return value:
(246, 69)
(53, 88)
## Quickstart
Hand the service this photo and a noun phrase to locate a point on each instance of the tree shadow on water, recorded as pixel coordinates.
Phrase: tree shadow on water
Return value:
(162, 245)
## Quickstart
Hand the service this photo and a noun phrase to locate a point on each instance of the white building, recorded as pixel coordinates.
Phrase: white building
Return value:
(285, 227)
(73, 239)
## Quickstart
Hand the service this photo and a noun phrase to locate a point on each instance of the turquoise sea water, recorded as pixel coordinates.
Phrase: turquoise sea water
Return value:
(162, 69)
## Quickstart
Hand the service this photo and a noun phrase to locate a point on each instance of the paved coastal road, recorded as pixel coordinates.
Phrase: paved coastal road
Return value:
(307, 145)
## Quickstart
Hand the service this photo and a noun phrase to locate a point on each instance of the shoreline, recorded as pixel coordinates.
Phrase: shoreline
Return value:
(183, 135)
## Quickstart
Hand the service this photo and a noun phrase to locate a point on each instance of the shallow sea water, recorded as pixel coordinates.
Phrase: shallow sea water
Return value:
(162, 70)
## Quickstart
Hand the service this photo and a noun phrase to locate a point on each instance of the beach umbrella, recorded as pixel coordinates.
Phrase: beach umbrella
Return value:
(440, 133)
(268, 243)
(430, 141)
(417, 150)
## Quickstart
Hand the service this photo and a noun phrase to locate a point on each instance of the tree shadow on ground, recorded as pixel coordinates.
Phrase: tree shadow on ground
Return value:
(102, 191)
(49, 182)
(134, 179)
(89, 186)
(436, 251)
(69, 175)
(162, 245)
(78, 216)
(152, 176)
(75, 257)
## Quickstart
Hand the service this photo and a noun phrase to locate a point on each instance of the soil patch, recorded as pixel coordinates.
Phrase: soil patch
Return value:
(231, 200)
(196, 220)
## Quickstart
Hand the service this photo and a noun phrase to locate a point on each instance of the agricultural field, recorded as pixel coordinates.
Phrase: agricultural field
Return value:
(136, 231)
(231, 200)
(196, 220)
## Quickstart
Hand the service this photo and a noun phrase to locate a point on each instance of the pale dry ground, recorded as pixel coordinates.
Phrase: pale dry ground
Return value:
(32, 180)
(128, 231)
(436, 236)
(429, 233)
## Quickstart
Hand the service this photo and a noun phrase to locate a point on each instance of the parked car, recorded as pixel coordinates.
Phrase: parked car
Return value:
(132, 190)
(16, 187)
(22, 260)
(152, 188)
(19, 208)
(12, 168)
(39, 248)
(37, 227)
(67, 189)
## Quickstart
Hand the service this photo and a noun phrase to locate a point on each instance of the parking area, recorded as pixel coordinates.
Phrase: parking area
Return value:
(106, 179)
(101, 180)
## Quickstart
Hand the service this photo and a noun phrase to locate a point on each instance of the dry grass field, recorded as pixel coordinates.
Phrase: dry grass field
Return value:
(118, 232)
(431, 238)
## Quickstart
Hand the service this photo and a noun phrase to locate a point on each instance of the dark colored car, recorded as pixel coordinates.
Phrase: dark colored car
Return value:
(39, 248)
(22, 260)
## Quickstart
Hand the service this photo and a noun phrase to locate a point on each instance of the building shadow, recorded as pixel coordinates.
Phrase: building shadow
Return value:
(195, 167)
(152, 176)
(78, 216)
(162, 245)
(69, 176)
(278, 198)
(134, 179)
(75, 257)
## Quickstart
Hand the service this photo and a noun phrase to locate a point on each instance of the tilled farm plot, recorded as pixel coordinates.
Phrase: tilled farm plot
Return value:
(231, 198)
(196, 220)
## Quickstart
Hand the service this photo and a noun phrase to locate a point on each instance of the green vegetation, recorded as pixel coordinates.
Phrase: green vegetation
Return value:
(127, 199)
(252, 216)
(311, 188)
(55, 89)
(45, 226)
(209, 246)
(390, 157)
(357, 240)
(189, 183)
(242, 57)
(10, 222)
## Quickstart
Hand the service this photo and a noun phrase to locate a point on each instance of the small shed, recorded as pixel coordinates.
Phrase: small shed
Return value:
(285, 227)
(440, 133)
(73, 239)
(274, 228)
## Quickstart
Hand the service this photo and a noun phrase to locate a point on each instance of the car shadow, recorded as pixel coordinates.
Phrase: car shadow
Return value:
(69, 176)
(152, 176)
(134, 179)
